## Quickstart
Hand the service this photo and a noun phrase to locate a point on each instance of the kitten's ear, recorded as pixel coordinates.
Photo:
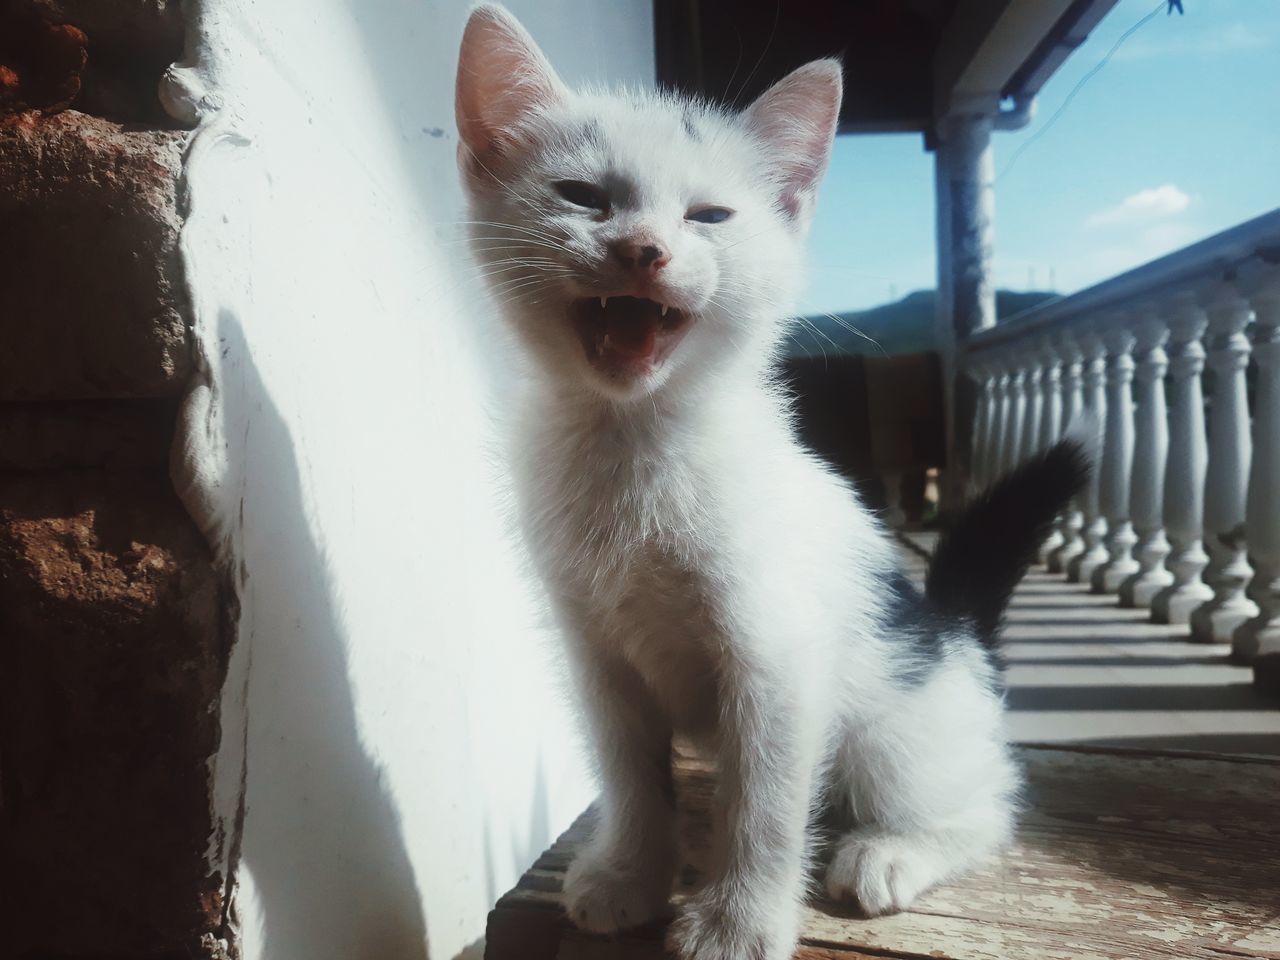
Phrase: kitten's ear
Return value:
(796, 118)
(502, 79)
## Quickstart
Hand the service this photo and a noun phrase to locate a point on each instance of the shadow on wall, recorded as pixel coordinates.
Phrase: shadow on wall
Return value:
(412, 61)
(323, 847)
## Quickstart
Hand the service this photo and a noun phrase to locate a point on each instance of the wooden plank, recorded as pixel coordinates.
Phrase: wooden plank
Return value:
(1121, 854)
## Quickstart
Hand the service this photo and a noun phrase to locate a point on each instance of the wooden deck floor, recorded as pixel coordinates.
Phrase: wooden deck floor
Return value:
(1082, 670)
(1124, 853)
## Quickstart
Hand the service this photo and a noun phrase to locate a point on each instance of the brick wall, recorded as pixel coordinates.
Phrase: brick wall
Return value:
(113, 640)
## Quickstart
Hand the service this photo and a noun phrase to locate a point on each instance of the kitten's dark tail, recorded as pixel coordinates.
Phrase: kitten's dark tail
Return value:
(981, 558)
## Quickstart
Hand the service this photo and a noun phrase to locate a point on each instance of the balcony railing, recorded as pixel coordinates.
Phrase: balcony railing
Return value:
(1182, 515)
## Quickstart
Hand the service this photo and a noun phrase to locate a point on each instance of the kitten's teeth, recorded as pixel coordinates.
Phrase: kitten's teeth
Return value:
(664, 309)
(603, 302)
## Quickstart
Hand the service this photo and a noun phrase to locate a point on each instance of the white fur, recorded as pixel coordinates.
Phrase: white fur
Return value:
(712, 576)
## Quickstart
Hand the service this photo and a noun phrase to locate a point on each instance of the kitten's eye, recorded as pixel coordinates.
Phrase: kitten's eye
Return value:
(709, 215)
(582, 194)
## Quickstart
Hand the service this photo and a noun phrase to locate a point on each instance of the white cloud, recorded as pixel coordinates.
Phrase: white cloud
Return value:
(1215, 41)
(1144, 206)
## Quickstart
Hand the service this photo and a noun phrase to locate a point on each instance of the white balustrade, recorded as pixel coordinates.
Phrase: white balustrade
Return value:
(1187, 460)
(1260, 637)
(1117, 461)
(1182, 509)
(1226, 482)
(1151, 451)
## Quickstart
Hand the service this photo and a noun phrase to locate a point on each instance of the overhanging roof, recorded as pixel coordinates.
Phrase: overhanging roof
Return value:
(907, 62)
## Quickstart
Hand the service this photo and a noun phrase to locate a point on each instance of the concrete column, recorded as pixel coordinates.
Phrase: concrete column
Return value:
(1117, 460)
(964, 173)
(1261, 635)
(1226, 482)
(1185, 471)
(1094, 530)
(1072, 388)
(1151, 452)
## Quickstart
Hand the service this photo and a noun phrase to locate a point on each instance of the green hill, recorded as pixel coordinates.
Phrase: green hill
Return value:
(906, 326)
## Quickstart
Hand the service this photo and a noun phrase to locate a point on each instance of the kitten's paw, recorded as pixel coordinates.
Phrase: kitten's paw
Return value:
(712, 927)
(600, 897)
(885, 872)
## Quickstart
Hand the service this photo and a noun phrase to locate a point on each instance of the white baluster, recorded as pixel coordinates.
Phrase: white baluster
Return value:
(1151, 452)
(1117, 460)
(1004, 416)
(1072, 405)
(1185, 473)
(1051, 409)
(1035, 404)
(991, 456)
(1050, 425)
(1081, 567)
(983, 423)
(1001, 421)
(1226, 482)
(1260, 637)
(1017, 414)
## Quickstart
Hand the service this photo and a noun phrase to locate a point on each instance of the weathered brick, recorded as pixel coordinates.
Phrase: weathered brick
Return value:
(130, 43)
(112, 656)
(130, 24)
(121, 434)
(90, 279)
(41, 63)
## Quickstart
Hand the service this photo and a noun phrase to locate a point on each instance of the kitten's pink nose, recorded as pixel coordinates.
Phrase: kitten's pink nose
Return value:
(643, 255)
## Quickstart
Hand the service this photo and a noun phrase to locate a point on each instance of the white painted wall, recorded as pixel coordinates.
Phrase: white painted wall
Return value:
(393, 720)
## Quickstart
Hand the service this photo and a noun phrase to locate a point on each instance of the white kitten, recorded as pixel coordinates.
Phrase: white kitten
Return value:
(712, 576)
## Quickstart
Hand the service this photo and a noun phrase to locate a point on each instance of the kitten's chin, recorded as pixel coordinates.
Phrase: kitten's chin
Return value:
(627, 341)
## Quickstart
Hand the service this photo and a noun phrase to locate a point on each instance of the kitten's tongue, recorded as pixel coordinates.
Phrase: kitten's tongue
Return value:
(627, 335)
(631, 327)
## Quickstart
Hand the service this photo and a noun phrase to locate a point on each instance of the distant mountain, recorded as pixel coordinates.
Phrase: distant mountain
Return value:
(906, 326)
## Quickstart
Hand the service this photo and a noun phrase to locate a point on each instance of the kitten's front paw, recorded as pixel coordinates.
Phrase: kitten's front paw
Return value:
(884, 872)
(601, 897)
(713, 927)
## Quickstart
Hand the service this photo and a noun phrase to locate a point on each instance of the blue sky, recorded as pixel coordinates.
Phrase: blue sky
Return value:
(1175, 139)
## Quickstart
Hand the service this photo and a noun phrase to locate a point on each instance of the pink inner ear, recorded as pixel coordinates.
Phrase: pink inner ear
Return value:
(797, 118)
(503, 79)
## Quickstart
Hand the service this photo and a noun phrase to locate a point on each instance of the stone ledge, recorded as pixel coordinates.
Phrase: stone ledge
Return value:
(112, 656)
(91, 294)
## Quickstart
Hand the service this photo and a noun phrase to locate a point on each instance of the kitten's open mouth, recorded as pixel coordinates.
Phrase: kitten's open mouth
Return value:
(630, 335)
